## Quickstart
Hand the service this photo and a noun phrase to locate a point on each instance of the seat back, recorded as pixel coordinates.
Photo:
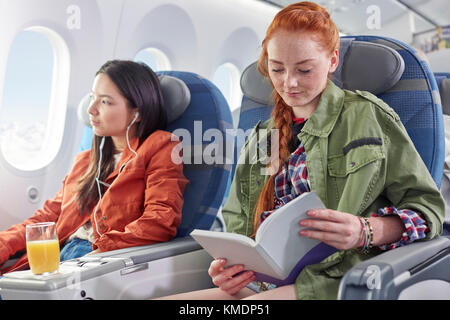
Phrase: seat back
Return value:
(397, 76)
(416, 100)
(206, 111)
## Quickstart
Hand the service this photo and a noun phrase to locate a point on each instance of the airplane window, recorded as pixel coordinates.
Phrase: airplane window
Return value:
(226, 78)
(34, 98)
(154, 58)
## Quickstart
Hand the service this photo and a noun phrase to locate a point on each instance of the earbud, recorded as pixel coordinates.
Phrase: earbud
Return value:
(134, 120)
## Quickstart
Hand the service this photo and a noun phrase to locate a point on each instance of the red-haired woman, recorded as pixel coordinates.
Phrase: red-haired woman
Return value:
(381, 185)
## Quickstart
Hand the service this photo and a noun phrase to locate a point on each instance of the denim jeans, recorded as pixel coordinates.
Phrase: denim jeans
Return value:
(75, 249)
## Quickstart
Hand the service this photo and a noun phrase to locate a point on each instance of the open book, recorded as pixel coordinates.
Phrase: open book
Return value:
(278, 253)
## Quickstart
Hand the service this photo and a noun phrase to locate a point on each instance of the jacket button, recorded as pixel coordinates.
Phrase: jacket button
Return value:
(352, 164)
(104, 218)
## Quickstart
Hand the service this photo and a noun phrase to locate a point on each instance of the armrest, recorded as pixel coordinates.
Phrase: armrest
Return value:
(150, 252)
(142, 272)
(386, 275)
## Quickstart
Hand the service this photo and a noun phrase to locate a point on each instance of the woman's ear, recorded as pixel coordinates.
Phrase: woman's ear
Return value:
(137, 117)
(334, 61)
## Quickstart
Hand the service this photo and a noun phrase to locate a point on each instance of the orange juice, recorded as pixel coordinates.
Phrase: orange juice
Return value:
(43, 255)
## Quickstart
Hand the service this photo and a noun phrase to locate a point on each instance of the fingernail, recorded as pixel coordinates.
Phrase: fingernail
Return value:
(312, 213)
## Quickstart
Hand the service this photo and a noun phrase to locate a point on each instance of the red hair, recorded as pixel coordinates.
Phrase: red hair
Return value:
(299, 17)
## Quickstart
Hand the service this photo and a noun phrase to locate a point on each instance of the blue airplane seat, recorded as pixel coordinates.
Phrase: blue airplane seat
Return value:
(416, 271)
(196, 108)
(416, 100)
(207, 118)
(406, 83)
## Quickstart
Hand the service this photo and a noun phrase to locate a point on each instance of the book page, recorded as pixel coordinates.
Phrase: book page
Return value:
(279, 235)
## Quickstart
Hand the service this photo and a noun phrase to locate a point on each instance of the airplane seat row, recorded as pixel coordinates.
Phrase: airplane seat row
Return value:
(393, 71)
(396, 75)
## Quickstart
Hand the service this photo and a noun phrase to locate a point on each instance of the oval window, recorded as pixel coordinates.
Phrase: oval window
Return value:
(154, 58)
(226, 78)
(34, 99)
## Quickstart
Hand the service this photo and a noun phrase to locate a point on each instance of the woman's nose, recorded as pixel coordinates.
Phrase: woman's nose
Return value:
(291, 81)
(92, 109)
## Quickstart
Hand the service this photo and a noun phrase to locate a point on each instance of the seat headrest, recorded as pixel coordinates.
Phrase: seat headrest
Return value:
(363, 66)
(175, 93)
(444, 90)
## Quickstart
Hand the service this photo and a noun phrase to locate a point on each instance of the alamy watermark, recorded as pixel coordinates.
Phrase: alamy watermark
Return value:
(373, 21)
(215, 147)
(374, 277)
(74, 20)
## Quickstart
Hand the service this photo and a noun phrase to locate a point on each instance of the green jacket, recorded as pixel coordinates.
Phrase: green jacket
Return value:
(349, 175)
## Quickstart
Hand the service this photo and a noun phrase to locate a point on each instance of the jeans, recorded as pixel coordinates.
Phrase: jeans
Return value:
(75, 249)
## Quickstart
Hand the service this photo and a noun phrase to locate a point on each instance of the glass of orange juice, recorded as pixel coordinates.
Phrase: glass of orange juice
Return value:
(42, 247)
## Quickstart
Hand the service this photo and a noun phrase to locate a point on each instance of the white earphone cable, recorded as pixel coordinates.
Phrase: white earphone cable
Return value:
(97, 179)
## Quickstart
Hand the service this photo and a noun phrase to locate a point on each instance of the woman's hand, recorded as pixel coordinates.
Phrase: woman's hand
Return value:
(228, 279)
(338, 229)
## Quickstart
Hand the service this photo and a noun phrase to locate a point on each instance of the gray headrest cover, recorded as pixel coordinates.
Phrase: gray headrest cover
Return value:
(444, 90)
(175, 93)
(365, 66)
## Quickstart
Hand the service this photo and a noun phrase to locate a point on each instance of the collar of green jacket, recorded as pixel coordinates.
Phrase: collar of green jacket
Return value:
(322, 121)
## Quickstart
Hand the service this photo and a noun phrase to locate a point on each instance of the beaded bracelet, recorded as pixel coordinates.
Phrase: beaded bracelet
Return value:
(370, 246)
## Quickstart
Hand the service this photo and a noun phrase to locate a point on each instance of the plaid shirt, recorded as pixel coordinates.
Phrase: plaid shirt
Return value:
(293, 180)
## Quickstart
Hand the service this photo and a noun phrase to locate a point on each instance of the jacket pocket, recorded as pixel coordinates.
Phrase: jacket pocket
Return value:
(354, 159)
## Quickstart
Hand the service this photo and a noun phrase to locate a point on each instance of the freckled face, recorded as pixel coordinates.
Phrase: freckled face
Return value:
(298, 68)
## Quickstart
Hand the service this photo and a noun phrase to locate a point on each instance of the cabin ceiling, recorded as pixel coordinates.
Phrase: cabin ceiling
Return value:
(398, 18)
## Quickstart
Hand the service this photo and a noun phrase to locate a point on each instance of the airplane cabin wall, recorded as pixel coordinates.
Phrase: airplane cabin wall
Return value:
(196, 36)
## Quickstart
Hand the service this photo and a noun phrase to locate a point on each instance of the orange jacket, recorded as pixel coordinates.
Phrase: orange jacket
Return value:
(142, 205)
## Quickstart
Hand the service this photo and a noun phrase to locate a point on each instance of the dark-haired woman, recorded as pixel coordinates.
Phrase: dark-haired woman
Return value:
(124, 192)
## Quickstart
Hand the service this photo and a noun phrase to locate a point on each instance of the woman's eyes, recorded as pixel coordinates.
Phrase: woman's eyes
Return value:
(299, 70)
(103, 101)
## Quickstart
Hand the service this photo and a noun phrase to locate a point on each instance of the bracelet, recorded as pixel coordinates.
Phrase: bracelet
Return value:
(370, 246)
(363, 229)
(368, 235)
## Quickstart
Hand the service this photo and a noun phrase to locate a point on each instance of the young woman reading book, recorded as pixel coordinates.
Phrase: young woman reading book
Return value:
(390, 201)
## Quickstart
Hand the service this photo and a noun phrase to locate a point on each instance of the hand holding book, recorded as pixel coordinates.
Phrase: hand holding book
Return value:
(231, 279)
(337, 229)
(273, 258)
